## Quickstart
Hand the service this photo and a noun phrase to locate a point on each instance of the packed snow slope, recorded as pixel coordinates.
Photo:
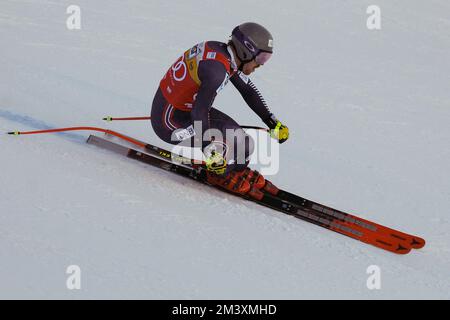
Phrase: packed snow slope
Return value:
(369, 113)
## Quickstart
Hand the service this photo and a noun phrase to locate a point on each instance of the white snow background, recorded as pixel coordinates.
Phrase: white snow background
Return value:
(369, 115)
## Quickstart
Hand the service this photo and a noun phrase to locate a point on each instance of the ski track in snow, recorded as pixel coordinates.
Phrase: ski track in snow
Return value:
(368, 114)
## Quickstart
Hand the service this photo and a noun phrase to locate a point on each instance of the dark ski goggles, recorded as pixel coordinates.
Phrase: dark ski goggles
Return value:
(262, 57)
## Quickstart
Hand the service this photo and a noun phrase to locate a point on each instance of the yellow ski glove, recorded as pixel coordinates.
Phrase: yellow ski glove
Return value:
(280, 132)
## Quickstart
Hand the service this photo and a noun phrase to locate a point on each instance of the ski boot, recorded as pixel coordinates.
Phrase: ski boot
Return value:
(259, 185)
(269, 187)
(246, 182)
(256, 181)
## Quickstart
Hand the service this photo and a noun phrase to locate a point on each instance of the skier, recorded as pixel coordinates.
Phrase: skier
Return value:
(183, 113)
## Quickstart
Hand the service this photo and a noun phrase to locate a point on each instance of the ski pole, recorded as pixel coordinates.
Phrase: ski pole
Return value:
(138, 143)
(121, 136)
(110, 118)
(256, 128)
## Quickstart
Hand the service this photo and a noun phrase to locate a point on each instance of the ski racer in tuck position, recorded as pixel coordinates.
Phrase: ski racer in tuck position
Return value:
(183, 113)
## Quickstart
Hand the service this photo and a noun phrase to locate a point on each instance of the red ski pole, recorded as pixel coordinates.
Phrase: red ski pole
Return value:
(121, 136)
(110, 118)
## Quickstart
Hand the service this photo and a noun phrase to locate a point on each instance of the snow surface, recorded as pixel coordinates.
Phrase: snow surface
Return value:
(369, 113)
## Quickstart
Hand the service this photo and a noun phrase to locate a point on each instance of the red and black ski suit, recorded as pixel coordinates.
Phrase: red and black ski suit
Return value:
(187, 92)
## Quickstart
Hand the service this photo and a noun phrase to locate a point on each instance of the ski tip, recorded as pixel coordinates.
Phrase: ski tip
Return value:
(15, 133)
(397, 247)
(402, 249)
(418, 243)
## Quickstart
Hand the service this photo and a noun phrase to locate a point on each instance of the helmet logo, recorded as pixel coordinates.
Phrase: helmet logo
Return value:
(270, 44)
(249, 46)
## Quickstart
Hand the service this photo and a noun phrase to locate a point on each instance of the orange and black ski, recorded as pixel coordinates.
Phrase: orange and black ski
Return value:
(184, 166)
(412, 241)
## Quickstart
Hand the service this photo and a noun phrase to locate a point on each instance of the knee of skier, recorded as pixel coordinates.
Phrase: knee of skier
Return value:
(159, 128)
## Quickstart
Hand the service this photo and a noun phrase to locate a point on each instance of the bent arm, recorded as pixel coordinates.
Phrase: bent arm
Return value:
(253, 98)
